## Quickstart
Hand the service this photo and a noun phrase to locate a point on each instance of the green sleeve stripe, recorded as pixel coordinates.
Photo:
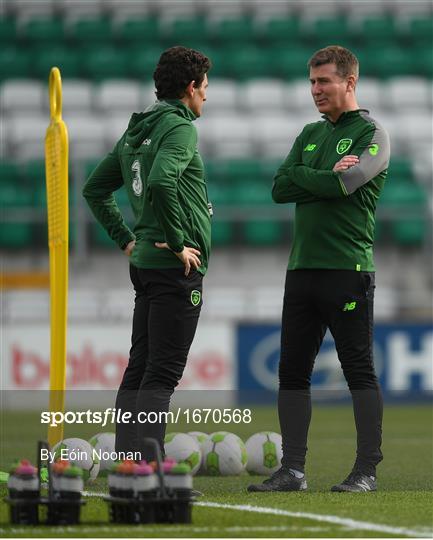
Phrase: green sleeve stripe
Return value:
(343, 187)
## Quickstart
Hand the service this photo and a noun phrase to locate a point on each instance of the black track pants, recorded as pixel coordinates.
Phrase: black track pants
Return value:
(341, 300)
(166, 313)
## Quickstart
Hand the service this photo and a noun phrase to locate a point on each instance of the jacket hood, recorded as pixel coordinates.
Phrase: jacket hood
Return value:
(141, 124)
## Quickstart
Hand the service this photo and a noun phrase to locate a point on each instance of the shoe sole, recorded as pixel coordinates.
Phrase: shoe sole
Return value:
(337, 489)
(251, 489)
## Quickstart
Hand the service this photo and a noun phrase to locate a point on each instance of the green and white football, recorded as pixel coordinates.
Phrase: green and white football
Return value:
(80, 453)
(224, 454)
(104, 445)
(201, 438)
(184, 449)
(264, 453)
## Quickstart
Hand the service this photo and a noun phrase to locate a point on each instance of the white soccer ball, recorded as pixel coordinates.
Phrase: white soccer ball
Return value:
(201, 438)
(184, 449)
(224, 454)
(264, 452)
(80, 453)
(104, 445)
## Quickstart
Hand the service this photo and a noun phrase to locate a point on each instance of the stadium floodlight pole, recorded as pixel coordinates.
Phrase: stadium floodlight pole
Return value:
(56, 171)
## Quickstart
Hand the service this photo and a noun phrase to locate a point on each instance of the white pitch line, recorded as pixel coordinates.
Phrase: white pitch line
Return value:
(336, 520)
(169, 528)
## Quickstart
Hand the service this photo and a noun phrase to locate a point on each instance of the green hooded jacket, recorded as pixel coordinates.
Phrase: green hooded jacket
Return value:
(157, 161)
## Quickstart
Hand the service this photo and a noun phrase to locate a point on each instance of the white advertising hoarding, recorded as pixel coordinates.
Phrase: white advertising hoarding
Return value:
(98, 354)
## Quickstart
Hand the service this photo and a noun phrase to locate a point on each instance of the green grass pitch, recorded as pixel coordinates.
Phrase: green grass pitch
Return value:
(402, 507)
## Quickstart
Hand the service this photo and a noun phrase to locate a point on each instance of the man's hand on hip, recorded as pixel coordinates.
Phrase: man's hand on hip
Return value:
(128, 250)
(189, 256)
(345, 163)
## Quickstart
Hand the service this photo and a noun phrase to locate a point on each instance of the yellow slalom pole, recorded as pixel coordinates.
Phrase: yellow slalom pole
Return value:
(56, 171)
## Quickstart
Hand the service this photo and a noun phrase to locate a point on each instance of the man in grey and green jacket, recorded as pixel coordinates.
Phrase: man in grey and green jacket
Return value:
(157, 161)
(334, 173)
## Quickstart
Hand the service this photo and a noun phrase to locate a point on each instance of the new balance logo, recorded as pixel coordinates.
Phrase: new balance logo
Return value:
(310, 147)
(349, 306)
(364, 485)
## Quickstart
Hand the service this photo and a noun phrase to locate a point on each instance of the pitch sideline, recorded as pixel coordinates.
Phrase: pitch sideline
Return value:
(336, 520)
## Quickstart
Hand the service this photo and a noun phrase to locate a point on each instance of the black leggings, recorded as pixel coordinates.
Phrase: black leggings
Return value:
(166, 313)
(341, 300)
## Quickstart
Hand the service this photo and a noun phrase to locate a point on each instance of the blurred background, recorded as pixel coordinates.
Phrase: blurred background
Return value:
(258, 101)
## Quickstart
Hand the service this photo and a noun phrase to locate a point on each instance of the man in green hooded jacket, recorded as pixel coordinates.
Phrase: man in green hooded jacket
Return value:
(157, 161)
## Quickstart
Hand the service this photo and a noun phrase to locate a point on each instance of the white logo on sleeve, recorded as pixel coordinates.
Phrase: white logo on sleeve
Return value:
(146, 142)
(137, 184)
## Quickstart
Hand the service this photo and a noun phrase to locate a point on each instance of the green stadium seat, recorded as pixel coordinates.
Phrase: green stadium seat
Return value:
(262, 232)
(289, 63)
(410, 232)
(220, 61)
(133, 31)
(232, 30)
(40, 31)
(257, 231)
(141, 62)
(401, 197)
(67, 60)
(222, 233)
(328, 30)
(182, 31)
(400, 170)
(14, 197)
(213, 172)
(251, 193)
(14, 63)
(8, 30)
(421, 32)
(220, 194)
(33, 173)
(268, 169)
(377, 31)
(423, 61)
(90, 30)
(104, 63)
(240, 171)
(387, 62)
(246, 63)
(10, 172)
(280, 31)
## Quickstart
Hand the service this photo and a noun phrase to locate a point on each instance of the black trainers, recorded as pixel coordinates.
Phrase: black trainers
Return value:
(281, 480)
(356, 482)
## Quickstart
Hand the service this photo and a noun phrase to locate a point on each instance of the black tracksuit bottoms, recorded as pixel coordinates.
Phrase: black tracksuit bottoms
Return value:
(341, 300)
(166, 313)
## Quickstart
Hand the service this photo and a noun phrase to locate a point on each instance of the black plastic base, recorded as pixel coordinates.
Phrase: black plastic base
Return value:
(59, 511)
(63, 511)
(156, 510)
(23, 511)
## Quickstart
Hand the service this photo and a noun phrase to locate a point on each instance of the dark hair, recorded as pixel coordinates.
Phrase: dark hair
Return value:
(346, 62)
(177, 67)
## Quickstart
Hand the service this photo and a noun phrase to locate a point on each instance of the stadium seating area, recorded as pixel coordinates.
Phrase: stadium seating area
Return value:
(258, 99)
